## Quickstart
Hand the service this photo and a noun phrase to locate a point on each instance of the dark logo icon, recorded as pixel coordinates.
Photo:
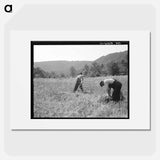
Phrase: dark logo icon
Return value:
(8, 8)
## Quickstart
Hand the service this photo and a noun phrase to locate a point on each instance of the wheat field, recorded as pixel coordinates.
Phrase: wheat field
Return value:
(54, 98)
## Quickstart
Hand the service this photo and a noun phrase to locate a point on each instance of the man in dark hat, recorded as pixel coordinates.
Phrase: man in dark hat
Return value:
(114, 84)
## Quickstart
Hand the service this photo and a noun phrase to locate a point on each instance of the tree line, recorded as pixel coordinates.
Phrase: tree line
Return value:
(40, 73)
(93, 70)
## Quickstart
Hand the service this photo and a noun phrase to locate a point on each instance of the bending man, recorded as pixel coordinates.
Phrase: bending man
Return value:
(112, 84)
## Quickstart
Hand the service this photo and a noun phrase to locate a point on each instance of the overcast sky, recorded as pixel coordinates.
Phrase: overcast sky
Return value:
(74, 52)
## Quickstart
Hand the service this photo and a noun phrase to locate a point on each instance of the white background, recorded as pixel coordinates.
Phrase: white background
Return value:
(87, 145)
(139, 80)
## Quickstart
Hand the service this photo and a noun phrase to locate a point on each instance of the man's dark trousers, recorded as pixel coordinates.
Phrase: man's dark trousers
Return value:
(78, 84)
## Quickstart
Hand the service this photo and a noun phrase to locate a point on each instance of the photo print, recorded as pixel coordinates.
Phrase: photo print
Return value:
(79, 79)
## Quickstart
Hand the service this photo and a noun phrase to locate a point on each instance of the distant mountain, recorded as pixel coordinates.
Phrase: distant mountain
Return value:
(113, 57)
(61, 66)
(64, 66)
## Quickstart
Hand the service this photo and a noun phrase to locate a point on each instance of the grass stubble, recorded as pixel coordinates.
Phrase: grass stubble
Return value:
(55, 98)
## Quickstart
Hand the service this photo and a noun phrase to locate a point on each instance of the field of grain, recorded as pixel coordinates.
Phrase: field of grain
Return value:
(55, 98)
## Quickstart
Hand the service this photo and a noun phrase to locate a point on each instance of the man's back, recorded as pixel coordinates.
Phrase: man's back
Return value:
(80, 76)
(108, 81)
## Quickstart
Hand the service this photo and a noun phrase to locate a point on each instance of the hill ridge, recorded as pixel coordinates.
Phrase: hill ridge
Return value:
(63, 66)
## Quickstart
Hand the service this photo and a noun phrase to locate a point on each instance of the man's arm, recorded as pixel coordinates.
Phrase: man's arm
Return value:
(108, 91)
(82, 78)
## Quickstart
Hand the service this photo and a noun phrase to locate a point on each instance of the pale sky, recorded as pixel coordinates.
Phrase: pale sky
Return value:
(74, 52)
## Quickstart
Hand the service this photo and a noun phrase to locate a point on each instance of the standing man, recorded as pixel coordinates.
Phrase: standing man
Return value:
(115, 85)
(79, 81)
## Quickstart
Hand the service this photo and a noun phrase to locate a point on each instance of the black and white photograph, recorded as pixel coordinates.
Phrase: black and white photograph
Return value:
(79, 79)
